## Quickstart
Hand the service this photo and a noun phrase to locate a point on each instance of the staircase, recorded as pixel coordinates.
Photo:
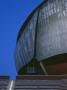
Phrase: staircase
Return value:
(41, 83)
(4, 81)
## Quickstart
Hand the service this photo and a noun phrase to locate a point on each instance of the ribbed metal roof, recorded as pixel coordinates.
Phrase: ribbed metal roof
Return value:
(44, 33)
(28, 19)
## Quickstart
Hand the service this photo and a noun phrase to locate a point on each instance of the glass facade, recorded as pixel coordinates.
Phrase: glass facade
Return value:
(50, 22)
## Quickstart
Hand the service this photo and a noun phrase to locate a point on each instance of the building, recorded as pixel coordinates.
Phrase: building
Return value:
(41, 46)
(49, 82)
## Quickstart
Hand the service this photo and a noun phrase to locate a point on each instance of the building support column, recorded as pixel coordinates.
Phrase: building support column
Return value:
(43, 68)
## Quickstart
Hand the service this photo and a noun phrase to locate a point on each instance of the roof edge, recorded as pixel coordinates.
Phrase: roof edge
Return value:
(28, 19)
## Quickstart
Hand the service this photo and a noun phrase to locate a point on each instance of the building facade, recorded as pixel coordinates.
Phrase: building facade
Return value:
(43, 38)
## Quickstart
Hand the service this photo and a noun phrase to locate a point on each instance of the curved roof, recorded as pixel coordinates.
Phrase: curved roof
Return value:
(28, 19)
(44, 33)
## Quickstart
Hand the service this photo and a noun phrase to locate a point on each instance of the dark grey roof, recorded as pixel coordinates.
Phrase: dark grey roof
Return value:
(44, 34)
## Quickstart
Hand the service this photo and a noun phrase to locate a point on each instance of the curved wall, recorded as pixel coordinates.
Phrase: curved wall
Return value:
(25, 46)
(52, 29)
(49, 25)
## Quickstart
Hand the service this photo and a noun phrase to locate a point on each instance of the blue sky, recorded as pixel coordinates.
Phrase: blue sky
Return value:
(13, 13)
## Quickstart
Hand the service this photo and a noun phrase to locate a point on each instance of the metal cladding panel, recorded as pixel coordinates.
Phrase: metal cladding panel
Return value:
(25, 46)
(52, 29)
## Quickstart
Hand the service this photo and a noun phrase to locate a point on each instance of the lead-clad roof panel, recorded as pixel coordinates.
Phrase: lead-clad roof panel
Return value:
(28, 19)
(52, 30)
(25, 46)
(51, 33)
